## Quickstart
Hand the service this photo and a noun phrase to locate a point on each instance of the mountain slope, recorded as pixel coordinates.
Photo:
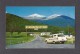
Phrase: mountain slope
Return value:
(16, 23)
(61, 21)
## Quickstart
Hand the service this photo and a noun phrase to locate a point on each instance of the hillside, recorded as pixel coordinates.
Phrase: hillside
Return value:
(17, 23)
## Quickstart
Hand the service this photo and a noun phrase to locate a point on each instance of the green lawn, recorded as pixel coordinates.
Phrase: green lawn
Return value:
(16, 38)
(70, 41)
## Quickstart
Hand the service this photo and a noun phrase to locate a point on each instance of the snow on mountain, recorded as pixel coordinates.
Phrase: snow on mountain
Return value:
(35, 16)
(42, 17)
(52, 16)
(52, 20)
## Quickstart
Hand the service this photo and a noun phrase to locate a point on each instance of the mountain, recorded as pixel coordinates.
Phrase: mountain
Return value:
(61, 21)
(35, 16)
(57, 20)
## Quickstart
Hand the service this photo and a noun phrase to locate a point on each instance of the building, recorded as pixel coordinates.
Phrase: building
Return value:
(45, 33)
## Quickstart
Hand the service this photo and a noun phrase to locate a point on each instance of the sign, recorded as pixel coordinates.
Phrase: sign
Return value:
(37, 27)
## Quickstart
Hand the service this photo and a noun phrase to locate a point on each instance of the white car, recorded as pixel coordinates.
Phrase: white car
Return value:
(56, 38)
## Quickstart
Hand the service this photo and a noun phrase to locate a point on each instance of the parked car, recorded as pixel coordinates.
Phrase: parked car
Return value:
(56, 38)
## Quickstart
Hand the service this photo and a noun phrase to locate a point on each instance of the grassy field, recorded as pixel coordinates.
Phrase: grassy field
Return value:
(70, 41)
(16, 38)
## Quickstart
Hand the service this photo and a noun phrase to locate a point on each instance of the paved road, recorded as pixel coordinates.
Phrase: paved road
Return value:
(39, 43)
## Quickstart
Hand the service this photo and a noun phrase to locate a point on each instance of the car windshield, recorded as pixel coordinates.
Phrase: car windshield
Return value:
(60, 35)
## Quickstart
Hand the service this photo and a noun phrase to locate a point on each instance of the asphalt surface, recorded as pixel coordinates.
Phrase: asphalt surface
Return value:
(39, 43)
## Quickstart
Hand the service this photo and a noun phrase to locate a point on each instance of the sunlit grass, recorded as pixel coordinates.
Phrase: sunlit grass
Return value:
(17, 38)
(70, 41)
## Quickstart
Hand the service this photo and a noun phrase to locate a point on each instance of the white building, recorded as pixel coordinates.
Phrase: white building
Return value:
(45, 33)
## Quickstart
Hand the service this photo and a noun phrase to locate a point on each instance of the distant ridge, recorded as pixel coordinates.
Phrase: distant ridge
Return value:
(55, 20)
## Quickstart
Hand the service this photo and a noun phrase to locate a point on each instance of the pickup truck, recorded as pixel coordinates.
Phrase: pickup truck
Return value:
(57, 38)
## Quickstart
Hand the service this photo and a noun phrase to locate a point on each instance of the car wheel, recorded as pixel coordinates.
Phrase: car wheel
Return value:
(62, 42)
(54, 42)
(45, 40)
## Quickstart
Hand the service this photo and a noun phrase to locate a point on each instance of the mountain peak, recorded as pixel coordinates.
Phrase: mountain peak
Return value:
(53, 16)
(35, 16)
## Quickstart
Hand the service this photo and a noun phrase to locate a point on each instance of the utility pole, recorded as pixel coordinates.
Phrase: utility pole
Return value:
(26, 33)
(68, 30)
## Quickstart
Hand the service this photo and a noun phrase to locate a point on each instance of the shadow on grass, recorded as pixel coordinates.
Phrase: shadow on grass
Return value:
(18, 36)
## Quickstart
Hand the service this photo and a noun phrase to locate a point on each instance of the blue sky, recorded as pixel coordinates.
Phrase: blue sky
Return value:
(43, 10)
